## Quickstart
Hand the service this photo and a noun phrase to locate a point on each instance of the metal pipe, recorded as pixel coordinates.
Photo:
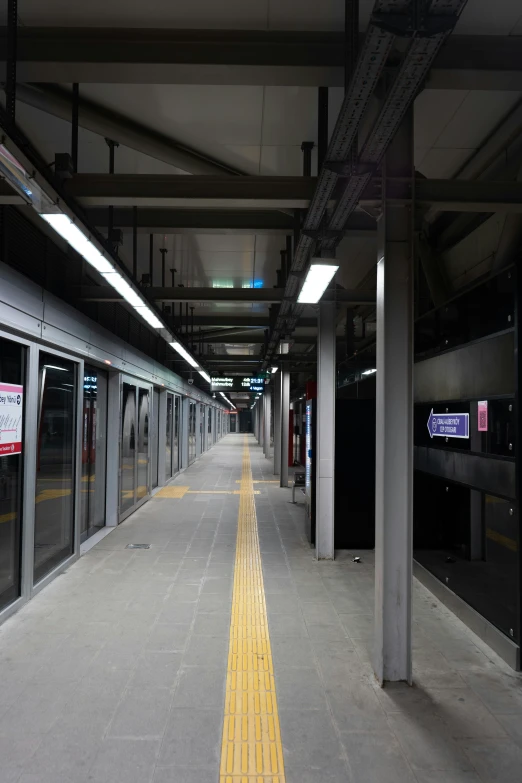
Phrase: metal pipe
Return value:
(12, 40)
(135, 242)
(322, 126)
(151, 259)
(74, 129)
(307, 147)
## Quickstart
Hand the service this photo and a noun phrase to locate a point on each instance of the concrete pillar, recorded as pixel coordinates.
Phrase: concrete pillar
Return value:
(277, 422)
(394, 426)
(285, 408)
(325, 465)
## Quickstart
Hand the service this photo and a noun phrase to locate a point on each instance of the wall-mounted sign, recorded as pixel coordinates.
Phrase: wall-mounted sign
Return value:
(448, 425)
(11, 407)
(483, 416)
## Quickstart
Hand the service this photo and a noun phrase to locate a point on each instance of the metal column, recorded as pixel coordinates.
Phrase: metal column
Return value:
(285, 408)
(277, 422)
(324, 483)
(268, 407)
(394, 442)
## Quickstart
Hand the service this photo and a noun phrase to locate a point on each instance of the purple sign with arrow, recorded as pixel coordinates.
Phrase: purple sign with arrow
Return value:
(448, 425)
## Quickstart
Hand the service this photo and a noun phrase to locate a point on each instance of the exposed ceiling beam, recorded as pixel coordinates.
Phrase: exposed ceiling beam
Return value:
(450, 195)
(251, 57)
(257, 338)
(57, 101)
(228, 359)
(230, 295)
(259, 321)
(216, 221)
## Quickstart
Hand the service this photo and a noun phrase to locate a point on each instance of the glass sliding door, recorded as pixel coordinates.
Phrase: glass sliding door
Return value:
(94, 451)
(168, 448)
(142, 489)
(192, 432)
(12, 381)
(154, 441)
(54, 509)
(176, 440)
(135, 446)
(128, 448)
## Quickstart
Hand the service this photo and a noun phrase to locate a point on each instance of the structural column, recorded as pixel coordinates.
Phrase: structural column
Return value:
(268, 410)
(277, 422)
(394, 426)
(325, 465)
(285, 408)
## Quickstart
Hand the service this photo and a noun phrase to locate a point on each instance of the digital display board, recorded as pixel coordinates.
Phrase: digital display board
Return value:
(238, 383)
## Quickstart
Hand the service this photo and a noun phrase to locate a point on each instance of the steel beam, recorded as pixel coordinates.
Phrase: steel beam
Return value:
(449, 195)
(58, 101)
(218, 221)
(191, 191)
(259, 321)
(150, 56)
(248, 358)
(233, 295)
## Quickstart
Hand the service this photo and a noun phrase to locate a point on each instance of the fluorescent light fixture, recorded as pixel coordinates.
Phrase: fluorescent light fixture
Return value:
(64, 226)
(369, 372)
(284, 346)
(124, 289)
(183, 352)
(147, 315)
(320, 273)
(204, 375)
(273, 370)
(227, 400)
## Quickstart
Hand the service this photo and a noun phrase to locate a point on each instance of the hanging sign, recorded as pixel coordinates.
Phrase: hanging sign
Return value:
(483, 416)
(11, 407)
(448, 425)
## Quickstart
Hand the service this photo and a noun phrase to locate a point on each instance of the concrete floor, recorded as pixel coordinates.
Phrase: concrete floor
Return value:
(116, 671)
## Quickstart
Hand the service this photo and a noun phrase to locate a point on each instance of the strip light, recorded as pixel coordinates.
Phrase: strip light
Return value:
(65, 227)
(204, 375)
(227, 400)
(44, 203)
(183, 352)
(320, 273)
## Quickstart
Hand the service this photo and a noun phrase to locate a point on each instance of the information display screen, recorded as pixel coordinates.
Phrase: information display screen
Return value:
(238, 383)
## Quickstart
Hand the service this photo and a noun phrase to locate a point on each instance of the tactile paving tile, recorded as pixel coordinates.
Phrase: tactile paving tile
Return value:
(251, 751)
(172, 492)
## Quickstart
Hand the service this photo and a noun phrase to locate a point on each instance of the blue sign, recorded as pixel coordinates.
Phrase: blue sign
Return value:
(448, 425)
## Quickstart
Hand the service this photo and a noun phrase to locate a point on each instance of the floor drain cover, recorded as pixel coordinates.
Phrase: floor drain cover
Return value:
(137, 546)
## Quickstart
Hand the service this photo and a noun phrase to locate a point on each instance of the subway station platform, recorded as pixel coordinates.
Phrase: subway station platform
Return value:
(199, 661)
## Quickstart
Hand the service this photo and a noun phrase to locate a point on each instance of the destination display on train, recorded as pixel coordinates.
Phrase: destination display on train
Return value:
(238, 383)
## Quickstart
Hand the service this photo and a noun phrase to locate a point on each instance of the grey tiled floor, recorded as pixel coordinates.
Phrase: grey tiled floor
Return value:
(116, 671)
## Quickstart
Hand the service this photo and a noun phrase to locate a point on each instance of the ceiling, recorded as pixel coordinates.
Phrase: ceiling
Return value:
(255, 129)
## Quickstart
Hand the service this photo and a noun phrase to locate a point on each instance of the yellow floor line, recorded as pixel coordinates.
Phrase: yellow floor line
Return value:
(251, 750)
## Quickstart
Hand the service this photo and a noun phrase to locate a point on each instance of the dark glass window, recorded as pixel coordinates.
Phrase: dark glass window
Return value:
(54, 510)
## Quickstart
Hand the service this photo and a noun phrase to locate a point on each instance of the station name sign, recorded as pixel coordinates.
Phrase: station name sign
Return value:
(237, 383)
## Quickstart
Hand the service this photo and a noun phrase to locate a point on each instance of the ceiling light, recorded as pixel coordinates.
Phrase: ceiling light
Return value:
(147, 315)
(227, 400)
(284, 346)
(273, 370)
(204, 375)
(183, 352)
(319, 274)
(122, 287)
(369, 372)
(64, 226)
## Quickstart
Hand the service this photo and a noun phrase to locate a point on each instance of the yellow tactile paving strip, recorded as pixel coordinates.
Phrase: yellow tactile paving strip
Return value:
(251, 751)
